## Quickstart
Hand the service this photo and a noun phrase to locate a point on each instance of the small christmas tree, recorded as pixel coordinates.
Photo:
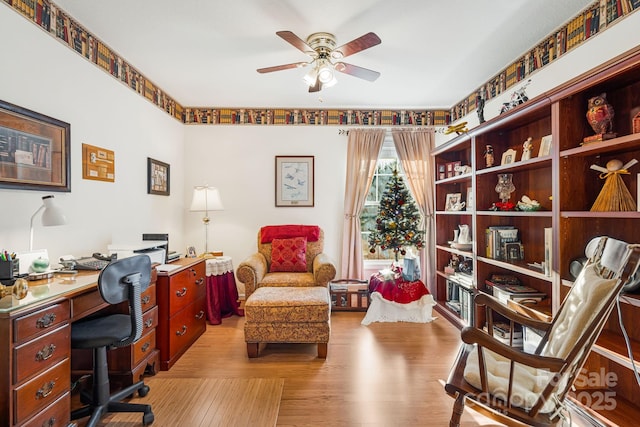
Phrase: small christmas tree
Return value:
(397, 221)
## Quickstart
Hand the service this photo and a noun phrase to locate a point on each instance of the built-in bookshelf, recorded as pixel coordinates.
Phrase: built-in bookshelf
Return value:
(566, 187)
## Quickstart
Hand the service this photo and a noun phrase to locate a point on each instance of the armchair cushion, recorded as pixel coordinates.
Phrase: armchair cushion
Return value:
(289, 255)
(270, 232)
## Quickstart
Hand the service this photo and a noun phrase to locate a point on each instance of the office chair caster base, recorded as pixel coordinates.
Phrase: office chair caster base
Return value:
(148, 418)
(143, 391)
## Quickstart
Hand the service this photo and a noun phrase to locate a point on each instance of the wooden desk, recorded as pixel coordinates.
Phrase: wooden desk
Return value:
(35, 348)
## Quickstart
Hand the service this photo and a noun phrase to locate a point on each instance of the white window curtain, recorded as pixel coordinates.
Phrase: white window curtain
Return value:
(414, 147)
(362, 155)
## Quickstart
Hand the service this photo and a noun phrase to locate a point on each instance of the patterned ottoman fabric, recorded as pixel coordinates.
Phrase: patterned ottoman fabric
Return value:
(288, 305)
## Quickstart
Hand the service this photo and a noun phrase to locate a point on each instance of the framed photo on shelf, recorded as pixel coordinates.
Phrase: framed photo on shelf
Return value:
(513, 251)
(452, 200)
(191, 252)
(294, 181)
(34, 150)
(545, 146)
(508, 156)
(158, 177)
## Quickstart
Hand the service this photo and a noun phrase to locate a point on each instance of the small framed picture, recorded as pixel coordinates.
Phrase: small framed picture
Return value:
(508, 156)
(191, 252)
(452, 200)
(513, 251)
(545, 146)
(157, 177)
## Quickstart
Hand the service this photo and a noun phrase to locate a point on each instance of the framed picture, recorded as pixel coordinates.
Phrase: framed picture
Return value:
(294, 181)
(158, 177)
(34, 150)
(452, 200)
(508, 156)
(513, 251)
(545, 146)
(98, 163)
(191, 252)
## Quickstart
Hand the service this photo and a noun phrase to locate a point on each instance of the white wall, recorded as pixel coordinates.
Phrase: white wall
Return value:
(240, 161)
(41, 74)
(600, 48)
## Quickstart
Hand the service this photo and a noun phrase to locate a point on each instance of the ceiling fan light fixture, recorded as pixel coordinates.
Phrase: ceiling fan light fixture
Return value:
(326, 74)
(311, 77)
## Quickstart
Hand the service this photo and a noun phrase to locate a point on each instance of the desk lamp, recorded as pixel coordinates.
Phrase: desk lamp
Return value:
(206, 199)
(52, 215)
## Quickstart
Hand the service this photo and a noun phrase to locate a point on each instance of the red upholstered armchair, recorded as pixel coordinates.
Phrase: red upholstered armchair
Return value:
(288, 255)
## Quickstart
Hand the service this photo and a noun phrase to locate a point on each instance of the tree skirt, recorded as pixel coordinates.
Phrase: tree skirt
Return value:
(394, 299)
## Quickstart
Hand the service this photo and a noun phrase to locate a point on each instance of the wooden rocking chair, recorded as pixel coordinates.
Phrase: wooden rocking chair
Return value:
(516, 388)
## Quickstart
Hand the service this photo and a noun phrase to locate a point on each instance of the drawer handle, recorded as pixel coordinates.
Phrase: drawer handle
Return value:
(182, 292)
(50, 422)
(193, 271)
(145, 347)
(148, 323)
(200, 314)
(45, 353)
(45, 390)
(146, 299)
(200, 281)
(184, 331)
(46, 320)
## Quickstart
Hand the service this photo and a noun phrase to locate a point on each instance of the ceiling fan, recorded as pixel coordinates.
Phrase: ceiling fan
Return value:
(327, 58)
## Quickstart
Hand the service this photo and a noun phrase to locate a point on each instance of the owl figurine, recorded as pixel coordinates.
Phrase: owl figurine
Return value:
(600, 114)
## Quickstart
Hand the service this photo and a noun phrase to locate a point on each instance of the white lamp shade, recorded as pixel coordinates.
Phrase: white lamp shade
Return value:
(206, 199)
(52, 214)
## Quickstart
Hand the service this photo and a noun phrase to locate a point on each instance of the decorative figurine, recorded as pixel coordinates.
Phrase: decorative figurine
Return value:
(614, 196)
(480, 105)
(526, 149)
(519, 96)
(600, 116)
(488, 156)
(505, 186)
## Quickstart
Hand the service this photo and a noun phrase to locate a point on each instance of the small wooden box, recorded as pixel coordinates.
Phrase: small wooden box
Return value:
(349, 295)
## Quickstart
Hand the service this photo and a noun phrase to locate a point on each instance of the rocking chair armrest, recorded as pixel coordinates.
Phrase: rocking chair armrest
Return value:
(520, 316)
(471, 335)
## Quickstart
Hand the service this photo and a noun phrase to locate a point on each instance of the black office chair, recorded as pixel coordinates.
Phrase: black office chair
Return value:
(121, 280)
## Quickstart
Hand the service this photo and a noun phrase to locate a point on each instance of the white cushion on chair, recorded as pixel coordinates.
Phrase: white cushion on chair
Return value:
(588, 294)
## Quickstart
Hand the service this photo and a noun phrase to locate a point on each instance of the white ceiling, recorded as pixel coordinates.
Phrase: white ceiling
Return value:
(433, 52)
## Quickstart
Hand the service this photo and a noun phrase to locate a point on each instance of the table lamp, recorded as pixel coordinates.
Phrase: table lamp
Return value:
(51, 216)
(206, 199)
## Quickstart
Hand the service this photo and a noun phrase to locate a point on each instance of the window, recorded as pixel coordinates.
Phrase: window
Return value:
(387, 162)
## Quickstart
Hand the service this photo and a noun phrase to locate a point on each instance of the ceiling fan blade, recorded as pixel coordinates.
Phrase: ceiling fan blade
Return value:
(355, 46)
(316, 87)
(296, 42)
(354, 70)
(281, 67)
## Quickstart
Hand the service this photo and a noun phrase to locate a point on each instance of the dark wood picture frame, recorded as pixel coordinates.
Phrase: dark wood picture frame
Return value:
(158, 177)
(35, 150)
(294, 181)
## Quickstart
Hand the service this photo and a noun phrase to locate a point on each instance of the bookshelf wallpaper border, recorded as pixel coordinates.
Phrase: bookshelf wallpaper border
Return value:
(58, 24)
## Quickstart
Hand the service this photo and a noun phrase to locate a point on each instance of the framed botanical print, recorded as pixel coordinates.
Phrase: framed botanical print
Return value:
(294, 181)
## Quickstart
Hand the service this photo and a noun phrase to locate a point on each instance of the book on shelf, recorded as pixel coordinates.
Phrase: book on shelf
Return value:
(517, 293)
(548, 251)
(496, 238)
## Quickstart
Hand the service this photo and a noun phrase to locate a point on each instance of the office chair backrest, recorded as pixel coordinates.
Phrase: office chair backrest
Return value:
(124, 280)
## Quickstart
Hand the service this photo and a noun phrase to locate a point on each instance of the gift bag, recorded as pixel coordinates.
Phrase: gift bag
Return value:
(411, 267)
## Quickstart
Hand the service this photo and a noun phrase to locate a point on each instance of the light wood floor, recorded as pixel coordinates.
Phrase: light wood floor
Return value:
(384, 374)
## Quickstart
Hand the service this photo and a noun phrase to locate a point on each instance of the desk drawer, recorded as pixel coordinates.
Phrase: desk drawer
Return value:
(40, 354)
(40, 322)
(148, 297)
(41, 391)
(186, 287)
(56, 415)
(86, 304)
(186, 326)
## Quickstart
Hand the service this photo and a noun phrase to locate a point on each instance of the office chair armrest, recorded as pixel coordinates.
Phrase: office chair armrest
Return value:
(471, 335)
(251, 271)
(324, 270)
(522, 318)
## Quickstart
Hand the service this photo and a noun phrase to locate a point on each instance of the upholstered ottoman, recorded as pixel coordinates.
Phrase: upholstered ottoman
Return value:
(287, 315)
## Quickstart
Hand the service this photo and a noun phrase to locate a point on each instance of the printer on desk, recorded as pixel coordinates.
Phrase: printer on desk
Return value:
(155, 249)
